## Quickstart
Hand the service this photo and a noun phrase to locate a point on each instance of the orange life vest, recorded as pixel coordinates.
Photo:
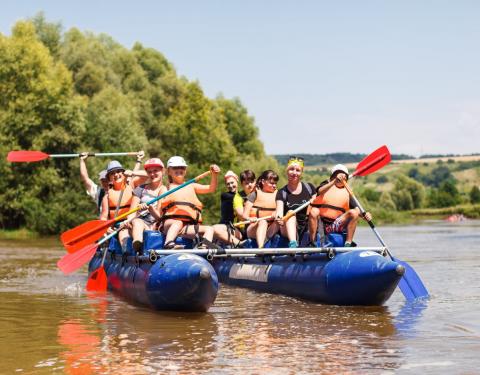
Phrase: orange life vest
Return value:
(332, 203)
(124, 206)
(183, 205)
(264, 204)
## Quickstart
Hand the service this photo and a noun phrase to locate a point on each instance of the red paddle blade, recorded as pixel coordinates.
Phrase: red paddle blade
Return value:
(73, 261)
(97, 281)
(373, 162)
(76, 238)
(26, 156)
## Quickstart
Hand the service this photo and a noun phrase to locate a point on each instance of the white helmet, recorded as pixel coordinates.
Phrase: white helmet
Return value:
(339, 168)
(176, 161)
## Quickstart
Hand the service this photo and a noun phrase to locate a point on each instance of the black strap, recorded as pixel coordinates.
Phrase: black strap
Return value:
(322, 205)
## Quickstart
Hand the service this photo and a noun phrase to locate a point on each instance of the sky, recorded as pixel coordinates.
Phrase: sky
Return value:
(317, 76)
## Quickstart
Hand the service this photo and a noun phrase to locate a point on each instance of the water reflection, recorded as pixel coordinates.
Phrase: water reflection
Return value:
(49, 325)
(121, 337)
(278, 332)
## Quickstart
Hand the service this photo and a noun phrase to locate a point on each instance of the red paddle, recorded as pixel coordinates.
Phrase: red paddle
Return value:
(373, 162)
(32, 156)
(73, 261)
(86, 233)
(97, 281)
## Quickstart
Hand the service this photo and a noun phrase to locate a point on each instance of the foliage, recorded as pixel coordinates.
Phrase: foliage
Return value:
(474, 195)
(408, 193)
(382, 179)
(446, 195)
(67, 92)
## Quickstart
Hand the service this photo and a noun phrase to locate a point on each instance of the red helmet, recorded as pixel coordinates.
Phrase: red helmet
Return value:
(154, 162)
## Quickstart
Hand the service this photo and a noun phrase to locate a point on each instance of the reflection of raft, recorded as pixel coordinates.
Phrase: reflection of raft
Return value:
(184, 282)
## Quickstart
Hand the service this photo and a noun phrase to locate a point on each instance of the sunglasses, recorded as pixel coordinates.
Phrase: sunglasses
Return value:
(296, 158)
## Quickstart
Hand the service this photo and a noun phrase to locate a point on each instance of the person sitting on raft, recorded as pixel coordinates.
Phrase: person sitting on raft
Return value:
(96, 192)
(143, 194)
(247, 180)
(226, 199)
(260, 204)
(118, 199)
(224, 231)
(182, 210)
(291, 196)
(334, 206)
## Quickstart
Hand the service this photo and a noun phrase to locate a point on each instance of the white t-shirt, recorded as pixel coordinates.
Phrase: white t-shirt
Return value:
(94, 193)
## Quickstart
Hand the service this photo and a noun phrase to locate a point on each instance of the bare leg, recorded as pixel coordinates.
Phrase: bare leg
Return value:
(351, 217)
(313, 223)
(290, 229)
(138, 226)
(222, 234)
(123, 238)
(190, 231)
(261, 233)
(171, 229)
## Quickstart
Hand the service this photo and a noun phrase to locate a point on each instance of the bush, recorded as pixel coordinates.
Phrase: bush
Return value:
(387, 202)
(382, 179)
(475, 195)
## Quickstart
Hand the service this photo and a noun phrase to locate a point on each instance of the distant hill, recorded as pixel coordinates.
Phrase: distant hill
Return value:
(334, 158)
(347, 158)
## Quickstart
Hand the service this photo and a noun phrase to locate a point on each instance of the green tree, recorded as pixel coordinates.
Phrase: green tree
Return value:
(240, 126)
(474, 194)
(38, 110)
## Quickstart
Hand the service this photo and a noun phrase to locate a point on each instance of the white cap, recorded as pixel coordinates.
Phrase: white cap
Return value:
(176, 161)
(231, 174)
(102, 175)
(339, 167)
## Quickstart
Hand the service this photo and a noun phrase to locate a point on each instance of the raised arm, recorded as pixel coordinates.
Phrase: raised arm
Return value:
(87, 181)
(205, 189)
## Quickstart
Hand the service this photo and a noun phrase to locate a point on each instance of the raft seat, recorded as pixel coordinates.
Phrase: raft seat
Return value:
(151, 240)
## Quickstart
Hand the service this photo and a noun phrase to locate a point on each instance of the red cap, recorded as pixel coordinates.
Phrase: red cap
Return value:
(154, 162)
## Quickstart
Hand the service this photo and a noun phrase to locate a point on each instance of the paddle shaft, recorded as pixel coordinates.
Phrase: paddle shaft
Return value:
(363, 212)
(93, 154)
(411, 285)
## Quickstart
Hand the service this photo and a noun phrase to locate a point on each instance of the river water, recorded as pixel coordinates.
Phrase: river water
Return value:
(50, 325)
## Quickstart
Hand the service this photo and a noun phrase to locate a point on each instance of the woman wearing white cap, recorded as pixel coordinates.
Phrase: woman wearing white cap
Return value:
(182, 210)
(141, 195)
(334, 206)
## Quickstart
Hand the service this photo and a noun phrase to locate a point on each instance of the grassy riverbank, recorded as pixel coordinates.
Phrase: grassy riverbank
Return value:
(17, 234)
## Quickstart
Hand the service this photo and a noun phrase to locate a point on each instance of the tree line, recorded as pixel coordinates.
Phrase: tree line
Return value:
(72, 91)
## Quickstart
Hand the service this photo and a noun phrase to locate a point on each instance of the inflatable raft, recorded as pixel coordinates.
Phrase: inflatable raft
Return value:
(187, 279)
(180, 282)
